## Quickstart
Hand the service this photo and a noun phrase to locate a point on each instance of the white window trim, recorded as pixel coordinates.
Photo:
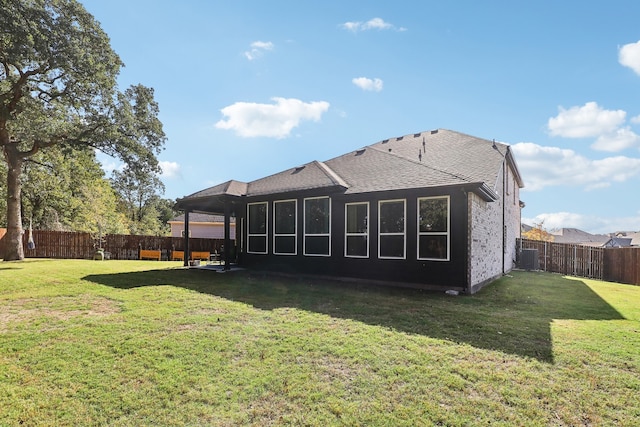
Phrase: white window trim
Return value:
(403, 234)
(249, 235)
(437, 233)
(295, 227)
(347, 234)
(305, 235)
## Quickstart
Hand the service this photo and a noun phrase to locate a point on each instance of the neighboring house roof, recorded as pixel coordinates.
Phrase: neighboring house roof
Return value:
(200, 218)
(633, 235)
(422, 160)
(525, 227)
(618, 242)
(578, 237)
(635, 239)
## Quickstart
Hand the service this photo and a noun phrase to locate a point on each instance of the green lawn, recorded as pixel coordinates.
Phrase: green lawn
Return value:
(124, 343)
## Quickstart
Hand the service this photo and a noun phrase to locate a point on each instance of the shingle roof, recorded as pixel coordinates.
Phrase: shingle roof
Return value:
(372, 169)
(426, 159)
(306, 177)
(468, 157)
(232, 188)
(577, 236)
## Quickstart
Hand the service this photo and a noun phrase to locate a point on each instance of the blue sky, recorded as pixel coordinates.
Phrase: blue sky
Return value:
(249, 88)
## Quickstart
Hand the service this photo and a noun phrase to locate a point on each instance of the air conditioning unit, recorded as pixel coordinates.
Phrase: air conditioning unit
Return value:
(529, 259)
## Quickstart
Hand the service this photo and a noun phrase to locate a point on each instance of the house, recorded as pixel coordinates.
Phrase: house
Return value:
(633, 235)
(576, 236)
(201, 225)
(435, 210)
(618, 242)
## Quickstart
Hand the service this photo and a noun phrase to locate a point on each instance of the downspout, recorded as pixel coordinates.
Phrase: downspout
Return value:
(504, 207)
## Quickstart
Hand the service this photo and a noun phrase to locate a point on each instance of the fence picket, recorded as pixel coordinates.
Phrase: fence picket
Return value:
(620, 265)
(76, 245)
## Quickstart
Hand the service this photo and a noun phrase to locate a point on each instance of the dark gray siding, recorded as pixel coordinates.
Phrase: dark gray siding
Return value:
(409, 271)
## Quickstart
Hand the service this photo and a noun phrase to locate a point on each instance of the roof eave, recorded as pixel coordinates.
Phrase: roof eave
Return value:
(485, 192)
(514, 167)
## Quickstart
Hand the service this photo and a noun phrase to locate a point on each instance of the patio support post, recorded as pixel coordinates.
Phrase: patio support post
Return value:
(187, 251)
(227, 236)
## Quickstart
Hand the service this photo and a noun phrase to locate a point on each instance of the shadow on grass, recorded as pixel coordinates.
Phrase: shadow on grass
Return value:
(513, 315)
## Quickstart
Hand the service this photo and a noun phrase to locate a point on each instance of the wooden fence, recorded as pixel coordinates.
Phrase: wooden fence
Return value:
(620, 265)
(73, 245)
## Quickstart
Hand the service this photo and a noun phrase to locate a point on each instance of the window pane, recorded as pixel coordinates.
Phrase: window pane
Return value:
(257, 244)
(392, 217)
(392, 246)
(258, 218)
(316, 216)
(433, 247)
(356, 245)
(317, 245)
(357, 218)
(433, 215)
(285, 245)
(285, 214)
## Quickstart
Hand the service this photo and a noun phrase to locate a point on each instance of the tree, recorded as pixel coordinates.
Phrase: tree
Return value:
(58, 88)
(538, 232)
(67, 190)
(51, 185)
(139, 191)
(99, 214)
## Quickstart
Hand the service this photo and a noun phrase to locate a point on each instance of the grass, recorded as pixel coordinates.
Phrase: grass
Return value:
(125, 343)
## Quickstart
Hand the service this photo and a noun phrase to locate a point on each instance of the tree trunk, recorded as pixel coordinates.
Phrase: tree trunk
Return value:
(13, 249)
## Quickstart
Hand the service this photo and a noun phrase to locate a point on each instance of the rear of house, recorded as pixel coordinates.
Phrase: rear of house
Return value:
(436, 210)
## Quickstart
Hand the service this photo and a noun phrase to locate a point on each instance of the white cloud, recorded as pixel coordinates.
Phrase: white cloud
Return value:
(365, 83)
(372, 24)
(557, 220)
(619, 140)
(258, 48)
(587, 121)
(592, 121)
(589, 223)
(169, 169)
(249, 119)
(551, 166)
(629, 56)
(376, 24)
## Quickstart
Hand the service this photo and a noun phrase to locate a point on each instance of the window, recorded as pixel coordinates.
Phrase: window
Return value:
(433, 228)
(182, 233)
(391, 241)
(285, 227)
(356, 230)
(317, 226)
(257, 233)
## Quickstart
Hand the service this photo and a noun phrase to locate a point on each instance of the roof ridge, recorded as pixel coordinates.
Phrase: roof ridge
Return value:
(331, 174)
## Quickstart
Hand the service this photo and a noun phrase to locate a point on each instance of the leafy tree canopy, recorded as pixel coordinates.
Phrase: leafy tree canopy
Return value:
(538, 232)
(58, 88)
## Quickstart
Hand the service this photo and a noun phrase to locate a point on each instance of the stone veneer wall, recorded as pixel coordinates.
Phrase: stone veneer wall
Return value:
(486, 232)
